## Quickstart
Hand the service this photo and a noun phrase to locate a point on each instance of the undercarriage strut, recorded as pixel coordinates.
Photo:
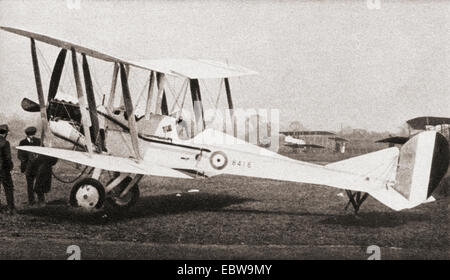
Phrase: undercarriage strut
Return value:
(356, 199)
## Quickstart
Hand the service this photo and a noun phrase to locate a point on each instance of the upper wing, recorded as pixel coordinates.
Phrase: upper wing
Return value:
(64, 44)
(420, 123)
(111, 163)
(191, 68)
(195, 68)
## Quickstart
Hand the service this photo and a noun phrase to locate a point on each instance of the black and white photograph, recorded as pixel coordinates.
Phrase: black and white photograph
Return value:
(224, 135)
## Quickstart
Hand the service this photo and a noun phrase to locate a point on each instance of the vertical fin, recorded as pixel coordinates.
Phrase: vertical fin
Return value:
(439, 163)
(423, 162)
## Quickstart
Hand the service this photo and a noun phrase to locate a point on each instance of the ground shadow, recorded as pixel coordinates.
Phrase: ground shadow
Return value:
(376, 219)
(161, 205)
(172, 204)
(274, 212)
(366, 219)
(146, 207)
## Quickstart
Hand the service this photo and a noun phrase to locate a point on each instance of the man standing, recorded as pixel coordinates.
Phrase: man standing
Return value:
(6, 165)
(29, 162)
(43, 181)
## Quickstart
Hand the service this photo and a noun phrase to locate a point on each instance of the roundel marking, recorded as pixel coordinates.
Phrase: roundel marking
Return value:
(218, 160)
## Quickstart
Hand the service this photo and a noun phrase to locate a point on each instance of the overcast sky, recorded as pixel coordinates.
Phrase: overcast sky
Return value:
(323, 63)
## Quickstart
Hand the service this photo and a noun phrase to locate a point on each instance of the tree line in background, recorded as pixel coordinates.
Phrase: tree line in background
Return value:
(351, 133)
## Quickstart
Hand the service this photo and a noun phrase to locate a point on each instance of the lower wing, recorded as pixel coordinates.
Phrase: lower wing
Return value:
(106, 162)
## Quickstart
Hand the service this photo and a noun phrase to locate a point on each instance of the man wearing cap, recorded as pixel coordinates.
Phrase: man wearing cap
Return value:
(6, 165)
(29, 162)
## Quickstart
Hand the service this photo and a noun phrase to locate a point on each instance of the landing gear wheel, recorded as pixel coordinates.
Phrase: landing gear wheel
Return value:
(121, 203)
(87, 193)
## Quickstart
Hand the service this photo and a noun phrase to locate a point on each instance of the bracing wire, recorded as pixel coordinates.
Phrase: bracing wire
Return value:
(186, 82)
(218, 95)
(141, 93)
(172, 92)
(182, 89)
(208, 93)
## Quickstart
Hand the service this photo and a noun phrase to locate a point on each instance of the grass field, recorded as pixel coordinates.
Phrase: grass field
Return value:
(230, 217)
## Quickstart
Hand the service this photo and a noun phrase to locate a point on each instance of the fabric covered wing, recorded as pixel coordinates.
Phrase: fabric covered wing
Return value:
(111, 163)
(195, 68)
(191, 68)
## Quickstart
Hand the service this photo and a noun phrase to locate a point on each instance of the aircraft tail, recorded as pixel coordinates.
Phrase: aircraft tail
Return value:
(407, 177)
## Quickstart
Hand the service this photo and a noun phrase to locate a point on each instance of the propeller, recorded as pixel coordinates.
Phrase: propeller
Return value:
(56, 75)
(30, 106)
(33, 107)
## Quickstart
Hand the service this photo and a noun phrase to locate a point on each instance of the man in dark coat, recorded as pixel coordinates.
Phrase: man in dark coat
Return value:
(6, 165)
(29, 162)
(43, 182)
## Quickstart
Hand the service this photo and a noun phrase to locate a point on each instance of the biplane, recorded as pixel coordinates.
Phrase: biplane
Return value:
(416, 125)
(313, 140)
(296, 143)
(115, 139)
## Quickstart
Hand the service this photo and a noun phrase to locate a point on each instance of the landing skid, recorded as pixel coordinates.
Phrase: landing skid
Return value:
(356, 199)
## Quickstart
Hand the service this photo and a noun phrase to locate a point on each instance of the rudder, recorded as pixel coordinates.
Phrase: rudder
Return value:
(423, 162)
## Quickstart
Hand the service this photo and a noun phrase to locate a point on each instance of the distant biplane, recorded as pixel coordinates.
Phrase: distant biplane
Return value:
(313, 140)
(115, 139)
(416, 125)
(296, 143)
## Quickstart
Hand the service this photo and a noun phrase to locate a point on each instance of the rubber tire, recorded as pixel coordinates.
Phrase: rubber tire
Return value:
(92, 182)
(122, 185)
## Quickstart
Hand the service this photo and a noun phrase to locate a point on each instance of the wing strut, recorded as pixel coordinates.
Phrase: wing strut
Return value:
(81, 101)
(112, 93)
(127, 72)
(229, 98)
(151, 86)
(91, 103)
(197, 103)
(164, 109)
(130, 111)
(40, 92)
(355, 199)
(161, 82)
